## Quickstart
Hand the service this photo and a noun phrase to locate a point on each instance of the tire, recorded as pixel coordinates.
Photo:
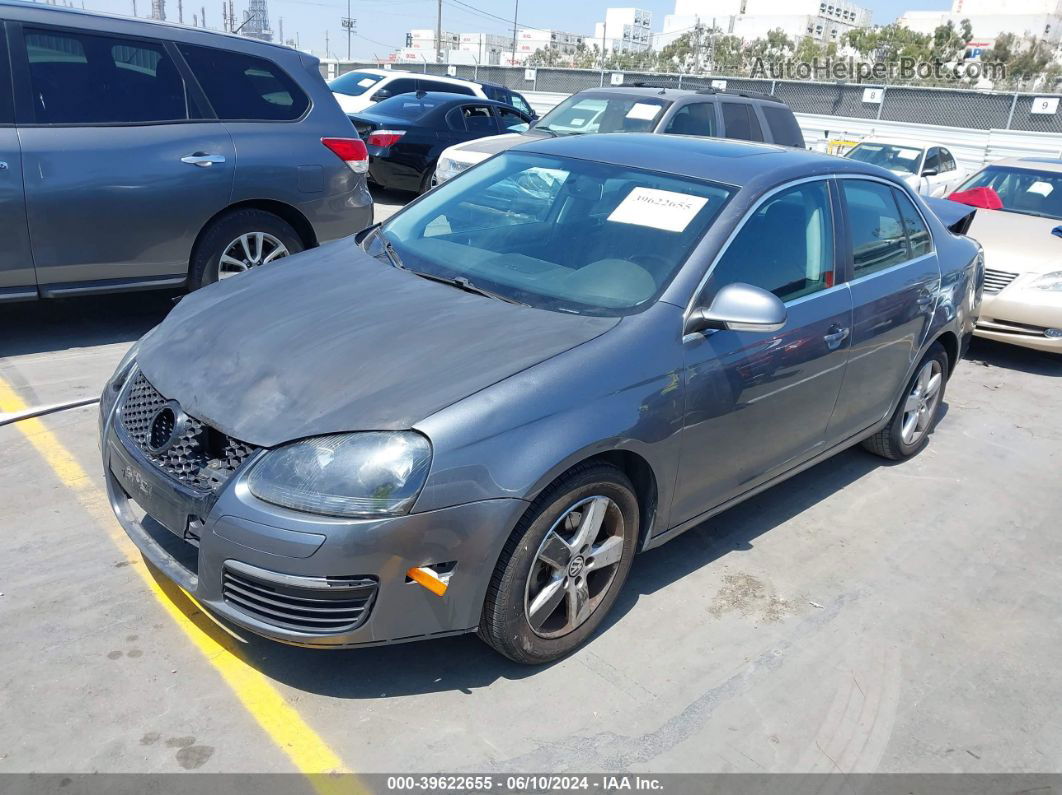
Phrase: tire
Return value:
(426, 179)
(206, 266)
(583, 493)
(890, 442)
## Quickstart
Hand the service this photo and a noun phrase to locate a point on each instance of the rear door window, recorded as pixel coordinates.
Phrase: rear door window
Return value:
(243, 87)
(783, 124)
(947, 162)
(86, 79)
(696, 118)
(739, 121)
(478, 118)
(518, 102)
(878, 237)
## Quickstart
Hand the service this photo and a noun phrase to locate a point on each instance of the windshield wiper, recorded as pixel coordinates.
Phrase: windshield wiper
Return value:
(462, 283)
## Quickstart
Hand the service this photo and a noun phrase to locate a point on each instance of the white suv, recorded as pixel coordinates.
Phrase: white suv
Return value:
(355, 91)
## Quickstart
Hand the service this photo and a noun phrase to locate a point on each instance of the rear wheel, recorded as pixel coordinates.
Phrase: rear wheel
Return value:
(427, 182)
(238, 241)
(563, 566)
(908, 430)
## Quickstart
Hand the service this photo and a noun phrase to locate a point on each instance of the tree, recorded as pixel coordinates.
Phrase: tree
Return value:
(949, 44)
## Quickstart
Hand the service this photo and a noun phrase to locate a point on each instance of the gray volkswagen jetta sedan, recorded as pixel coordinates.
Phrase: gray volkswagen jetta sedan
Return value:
(471, 417)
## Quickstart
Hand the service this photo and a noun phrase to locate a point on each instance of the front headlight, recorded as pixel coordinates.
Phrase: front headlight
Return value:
(1049, 281)
(357, 475)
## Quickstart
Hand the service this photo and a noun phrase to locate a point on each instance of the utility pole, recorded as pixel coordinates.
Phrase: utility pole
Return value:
(134, 8)
(281, 23)
(350, 24)
(202, 15)
(180, 11)
(326, 43)
(516, 13)
(438, 31)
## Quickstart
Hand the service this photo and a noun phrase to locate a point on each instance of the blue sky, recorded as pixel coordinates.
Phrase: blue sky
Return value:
(382, 24)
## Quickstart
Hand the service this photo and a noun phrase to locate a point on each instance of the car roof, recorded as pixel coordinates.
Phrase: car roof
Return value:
(443, 98)
(898, 142)
(737, 163)
(421, 76)
(679, 94)
(50, 9)
(1052, 164)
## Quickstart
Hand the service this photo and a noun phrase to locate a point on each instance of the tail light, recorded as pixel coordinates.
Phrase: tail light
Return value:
(984, 198)
(385, 138)
(351, 151)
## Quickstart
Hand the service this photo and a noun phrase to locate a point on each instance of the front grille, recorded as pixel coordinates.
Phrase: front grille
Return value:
(997, 280)
(1010, 327)
(333, 605)
(200, 457)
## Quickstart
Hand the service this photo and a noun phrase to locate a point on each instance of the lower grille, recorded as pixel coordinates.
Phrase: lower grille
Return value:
(200, 456)
(330, 605)
(997, 280)
(1010, 327)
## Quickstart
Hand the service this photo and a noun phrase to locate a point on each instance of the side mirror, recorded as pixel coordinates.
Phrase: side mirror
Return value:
(930, 172)
(383, 93)
(1057, 231)
(739, 307)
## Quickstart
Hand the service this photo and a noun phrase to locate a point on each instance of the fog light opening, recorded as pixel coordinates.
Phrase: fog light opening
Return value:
(1053, 333)
(433, 576)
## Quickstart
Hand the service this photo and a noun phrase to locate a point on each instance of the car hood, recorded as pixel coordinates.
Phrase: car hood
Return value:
(333, 340)
(1017, 243)
(497, 143)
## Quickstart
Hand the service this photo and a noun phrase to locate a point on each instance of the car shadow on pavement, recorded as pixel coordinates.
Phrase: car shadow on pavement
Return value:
(989, 353)
(62, 323)
(463, 663)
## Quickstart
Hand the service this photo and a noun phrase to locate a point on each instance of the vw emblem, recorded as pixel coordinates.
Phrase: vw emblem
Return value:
(166, 427)
(576, 566)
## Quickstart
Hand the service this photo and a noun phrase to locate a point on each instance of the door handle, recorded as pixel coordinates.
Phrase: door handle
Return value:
(836, 336)
(202, 159)
(3, 165)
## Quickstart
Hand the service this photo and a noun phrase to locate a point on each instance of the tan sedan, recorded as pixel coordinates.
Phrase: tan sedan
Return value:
(1023, 252)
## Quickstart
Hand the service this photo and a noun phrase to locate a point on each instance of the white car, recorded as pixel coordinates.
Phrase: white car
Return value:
(355, 91)
(928, 170)
(1022, 241)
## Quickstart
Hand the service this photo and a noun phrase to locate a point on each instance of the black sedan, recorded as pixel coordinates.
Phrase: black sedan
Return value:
(406, 134)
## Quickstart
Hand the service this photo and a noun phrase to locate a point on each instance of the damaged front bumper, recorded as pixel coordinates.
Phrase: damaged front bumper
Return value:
(304, 579)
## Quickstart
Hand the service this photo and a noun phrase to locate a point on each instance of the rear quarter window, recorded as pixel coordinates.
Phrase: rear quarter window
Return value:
(783, 124)
(244, 87)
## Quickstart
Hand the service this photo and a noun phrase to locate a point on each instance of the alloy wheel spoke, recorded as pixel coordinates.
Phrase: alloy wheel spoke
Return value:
(923, 378)
(606, 554)
(259, 244)
(276, 253)
(910, 423)
(555, 552)
(545, 603)
(914, 402)
(245, 243)
(235, 265)
(933, 385)
(578, 602)
(590, 524)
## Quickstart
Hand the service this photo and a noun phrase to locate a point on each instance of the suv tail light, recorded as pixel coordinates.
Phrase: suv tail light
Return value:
(385, 138)
(351, 151)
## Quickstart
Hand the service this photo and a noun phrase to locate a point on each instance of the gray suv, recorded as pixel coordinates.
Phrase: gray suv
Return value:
(136, 154)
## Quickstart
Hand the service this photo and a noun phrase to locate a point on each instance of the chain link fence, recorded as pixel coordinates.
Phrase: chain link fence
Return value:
(949, 107)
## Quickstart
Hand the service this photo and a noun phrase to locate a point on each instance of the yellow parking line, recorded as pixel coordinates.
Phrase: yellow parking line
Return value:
(282, 722)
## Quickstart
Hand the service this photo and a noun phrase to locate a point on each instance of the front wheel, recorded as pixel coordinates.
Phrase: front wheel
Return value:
(563, 566)
(908, 430)
(239, 241)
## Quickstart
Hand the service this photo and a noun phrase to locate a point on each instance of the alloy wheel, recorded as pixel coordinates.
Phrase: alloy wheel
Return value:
(574, 567)
(248, 251)
(921, 405)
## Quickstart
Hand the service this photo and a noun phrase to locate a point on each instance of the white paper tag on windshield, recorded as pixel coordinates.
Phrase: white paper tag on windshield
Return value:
(1041, 187)
(643, 111)
(365, 82)
(659, 209)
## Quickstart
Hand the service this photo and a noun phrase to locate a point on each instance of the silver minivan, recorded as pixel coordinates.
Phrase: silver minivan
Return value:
(137, 154)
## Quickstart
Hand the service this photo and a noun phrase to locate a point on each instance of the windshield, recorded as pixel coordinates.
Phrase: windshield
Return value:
(582, 114)
(904, 159)
(1021, 190)
(354, 84)
(407, 106)
(558, 233)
